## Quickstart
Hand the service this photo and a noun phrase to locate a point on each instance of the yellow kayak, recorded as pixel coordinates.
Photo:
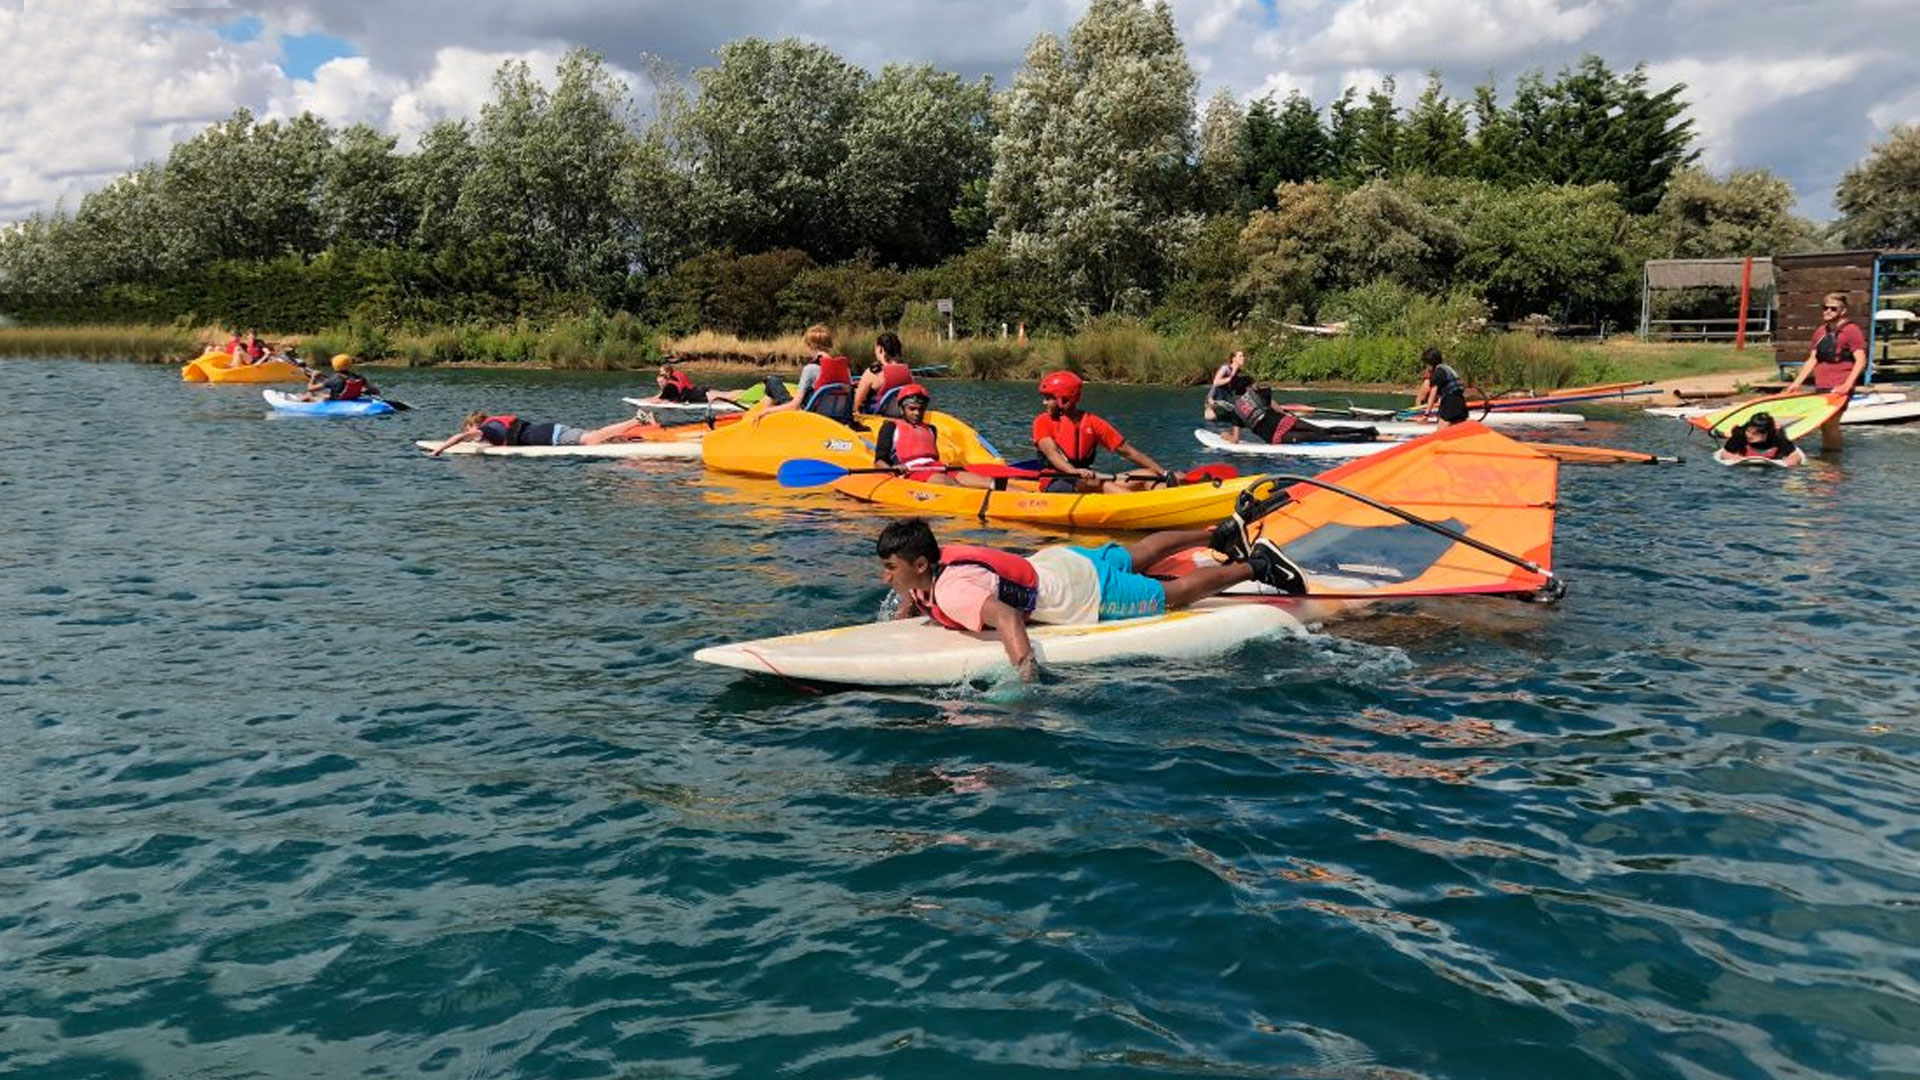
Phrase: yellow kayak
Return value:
(761, 442)
(215, 367)
(1190, 506)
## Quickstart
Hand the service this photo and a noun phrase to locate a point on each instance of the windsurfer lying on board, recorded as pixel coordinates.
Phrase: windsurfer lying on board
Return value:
(912, 445)
(964, 587)
(507, 430)
(1441, 388)
(1760, 437)
(1070, 439)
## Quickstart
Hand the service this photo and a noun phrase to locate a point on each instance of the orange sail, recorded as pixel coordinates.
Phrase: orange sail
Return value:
(1482, 507)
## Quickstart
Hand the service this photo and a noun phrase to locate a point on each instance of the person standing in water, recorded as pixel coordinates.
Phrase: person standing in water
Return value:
(1441, 389)
(1837, 361)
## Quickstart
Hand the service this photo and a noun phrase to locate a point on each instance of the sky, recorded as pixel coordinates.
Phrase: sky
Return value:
(96, 88)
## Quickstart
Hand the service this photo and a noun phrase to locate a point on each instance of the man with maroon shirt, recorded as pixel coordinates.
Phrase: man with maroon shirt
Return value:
(1836, 362)
(1069, 440)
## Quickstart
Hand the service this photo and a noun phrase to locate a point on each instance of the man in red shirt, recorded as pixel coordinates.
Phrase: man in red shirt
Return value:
(1069, 440)
(1837, 360)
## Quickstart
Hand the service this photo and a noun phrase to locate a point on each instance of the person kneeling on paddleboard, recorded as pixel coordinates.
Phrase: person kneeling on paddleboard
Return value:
(964, 587)
(1070, 439)
(1760, 437)
(1441, 388)
(342, 384)
(912, 445)
(508, 430)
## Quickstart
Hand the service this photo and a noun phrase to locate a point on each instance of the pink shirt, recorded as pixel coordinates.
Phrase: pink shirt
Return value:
(962, 591)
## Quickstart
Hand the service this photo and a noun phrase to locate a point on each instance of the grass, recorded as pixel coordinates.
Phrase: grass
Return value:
(147, 344)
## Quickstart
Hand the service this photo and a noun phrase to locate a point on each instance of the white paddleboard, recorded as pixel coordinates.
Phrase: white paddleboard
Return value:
(918, 652)
(1390, 426)
(684, 409)
(1725, 458)
(1212, 440)
(685, 451)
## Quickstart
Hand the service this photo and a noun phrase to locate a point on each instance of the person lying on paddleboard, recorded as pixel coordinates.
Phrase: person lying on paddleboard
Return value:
(964, 587)
(826, 382)
(1760, 437)
(341, 384)
(1228, 383)
(881, 384)
(912, 445)
(1441, 389)
(1253, 409)
(676, 387)
(1069, 440)
(507, 430)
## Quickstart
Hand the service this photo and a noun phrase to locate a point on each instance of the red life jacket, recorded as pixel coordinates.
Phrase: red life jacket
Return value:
(914, 443)
(894, 375)
(1774, 451)
(1019, 586)
(679, 381)
(355, 388)
(834, 370)
(513, 425)
(255, 349)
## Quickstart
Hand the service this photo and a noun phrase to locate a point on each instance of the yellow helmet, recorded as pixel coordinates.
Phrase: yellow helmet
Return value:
(342, 362)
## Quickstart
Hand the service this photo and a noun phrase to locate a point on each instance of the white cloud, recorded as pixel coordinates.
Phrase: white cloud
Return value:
(1724, 93)
(1423, 33)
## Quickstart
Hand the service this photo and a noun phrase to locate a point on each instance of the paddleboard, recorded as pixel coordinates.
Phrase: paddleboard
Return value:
(1799, 415)
(1788, 462)
(684, 409)
(1408, 423)
(919, 652)
(1876, 407)
(292, 405)
(1328, 451)
(685, 451)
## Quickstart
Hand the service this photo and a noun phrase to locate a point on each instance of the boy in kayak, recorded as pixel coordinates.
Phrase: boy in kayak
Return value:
(341, 384)
(1760, 437)
(912, 446)
(964, 587)
(1441, 389)
(507, 430)
(1069, 440)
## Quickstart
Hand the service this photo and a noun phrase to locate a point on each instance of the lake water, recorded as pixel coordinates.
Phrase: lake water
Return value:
(324, 759)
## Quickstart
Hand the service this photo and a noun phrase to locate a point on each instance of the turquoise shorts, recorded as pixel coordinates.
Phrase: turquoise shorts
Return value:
(1123, 593)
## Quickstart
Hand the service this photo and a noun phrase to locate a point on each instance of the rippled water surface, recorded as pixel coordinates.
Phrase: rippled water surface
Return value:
(324, 759)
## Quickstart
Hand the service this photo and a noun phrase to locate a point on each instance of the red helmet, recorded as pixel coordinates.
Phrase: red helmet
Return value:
(915, 390)
(1063, 386)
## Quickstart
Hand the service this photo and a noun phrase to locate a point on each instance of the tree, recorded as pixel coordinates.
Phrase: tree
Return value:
(1343, 134)
(1218, 171)
(1561, 250)
(1589, 126)
(1284, 147)
(919, 141)
(1376, 135)
(1748, 213)
(1286, 252)
(362, 200)
(763, 142)
(551, 175)
(1433, 138)
(1879, 198)
(1091, 159)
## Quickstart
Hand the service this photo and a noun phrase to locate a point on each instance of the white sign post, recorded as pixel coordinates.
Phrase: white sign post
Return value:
(946, 308)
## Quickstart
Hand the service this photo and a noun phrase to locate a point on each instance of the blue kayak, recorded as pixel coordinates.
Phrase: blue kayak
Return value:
(293, 405)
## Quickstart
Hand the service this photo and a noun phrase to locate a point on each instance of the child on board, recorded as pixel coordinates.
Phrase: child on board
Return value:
(965, 587)
(881, 384)
(912, 445)
(1227, 384)
(1760, 437)
(1441, 389)
(509, 430)
(1069, 440)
